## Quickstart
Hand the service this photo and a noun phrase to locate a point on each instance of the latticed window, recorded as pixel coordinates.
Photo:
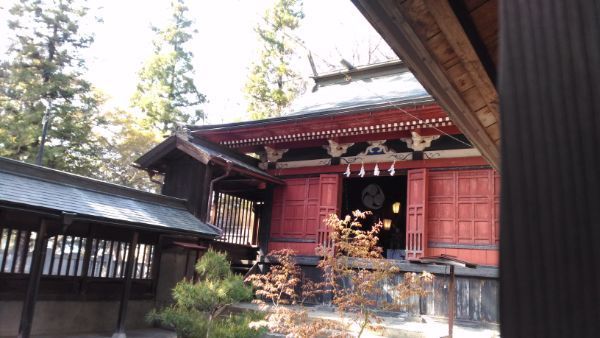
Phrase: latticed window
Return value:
(66, 256)
(16, 250)
(108, 259)
(237, 218)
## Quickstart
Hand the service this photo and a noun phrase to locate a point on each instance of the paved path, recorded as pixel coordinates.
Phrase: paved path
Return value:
(146, 333)
(399, 327)
(395, 327)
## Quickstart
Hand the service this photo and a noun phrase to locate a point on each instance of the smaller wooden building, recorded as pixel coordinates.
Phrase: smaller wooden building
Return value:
(80, 255)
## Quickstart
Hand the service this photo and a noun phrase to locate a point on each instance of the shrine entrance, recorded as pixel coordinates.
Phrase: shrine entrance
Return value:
(385, 197)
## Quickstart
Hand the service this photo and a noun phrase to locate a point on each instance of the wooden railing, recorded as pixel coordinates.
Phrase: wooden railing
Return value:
(237, 217)
(414, 245)
(324, 238)
(66, 255)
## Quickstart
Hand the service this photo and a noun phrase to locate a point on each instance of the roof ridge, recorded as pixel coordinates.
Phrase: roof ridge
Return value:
(372, 66)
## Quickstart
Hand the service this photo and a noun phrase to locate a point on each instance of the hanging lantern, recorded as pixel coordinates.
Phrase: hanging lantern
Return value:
(347, 172)
(392, 170)
(387, 224)
(361, 173)
(396, 207)
(376, 170)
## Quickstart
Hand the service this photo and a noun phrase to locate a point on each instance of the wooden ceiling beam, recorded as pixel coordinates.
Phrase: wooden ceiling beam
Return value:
(391, 21)
(458, 39)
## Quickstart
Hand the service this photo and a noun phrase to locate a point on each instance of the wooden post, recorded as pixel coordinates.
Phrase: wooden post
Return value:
(87, 254)
(257, 216)
(120, 333)
(205, 199)
(451, 302)
(35, 273)
(214, 211)
(156, 263)
(264, 230)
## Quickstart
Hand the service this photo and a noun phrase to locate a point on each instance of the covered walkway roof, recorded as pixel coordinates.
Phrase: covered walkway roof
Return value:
(27, 186)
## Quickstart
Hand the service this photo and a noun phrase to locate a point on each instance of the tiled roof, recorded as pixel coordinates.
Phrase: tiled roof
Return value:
(38, 187)
(387, 90)
(374, 88)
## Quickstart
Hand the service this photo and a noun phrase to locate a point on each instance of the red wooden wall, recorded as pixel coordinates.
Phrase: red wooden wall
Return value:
(462, 214)
(299, 208)
(451, 212)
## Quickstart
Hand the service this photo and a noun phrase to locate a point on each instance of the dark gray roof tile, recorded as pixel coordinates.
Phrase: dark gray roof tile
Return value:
(33, 186)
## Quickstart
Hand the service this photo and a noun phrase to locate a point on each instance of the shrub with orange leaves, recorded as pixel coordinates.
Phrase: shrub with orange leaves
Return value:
(355, 270)
(278, 288)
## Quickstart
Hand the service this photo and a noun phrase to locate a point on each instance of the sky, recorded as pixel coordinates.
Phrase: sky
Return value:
(224, 47)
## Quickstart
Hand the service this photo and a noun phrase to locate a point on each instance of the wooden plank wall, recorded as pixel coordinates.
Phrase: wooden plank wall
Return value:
(549, 85)
(476, 297)
(184, 178)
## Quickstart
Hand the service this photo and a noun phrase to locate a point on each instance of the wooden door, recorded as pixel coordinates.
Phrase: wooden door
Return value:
(296, 209)
(329, 203)
(416, 208)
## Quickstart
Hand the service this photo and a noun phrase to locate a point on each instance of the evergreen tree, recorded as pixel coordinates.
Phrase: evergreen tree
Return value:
(166, 92)
(272, 82)
(125, 140)
(41, 84)
(199, 304)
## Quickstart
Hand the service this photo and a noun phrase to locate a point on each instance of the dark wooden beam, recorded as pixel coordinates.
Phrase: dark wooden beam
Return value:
(256, 222)
(446, 163)
(158, 248)
(451, 302)
(87, 254)
(456, 36)
(120, 332)
(205, 198)
(216, 207)
(264, 231)
(237, 184)
(469, 27)
(33, 284)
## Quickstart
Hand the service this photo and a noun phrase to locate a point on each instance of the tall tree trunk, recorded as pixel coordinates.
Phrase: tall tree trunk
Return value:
(46, 76)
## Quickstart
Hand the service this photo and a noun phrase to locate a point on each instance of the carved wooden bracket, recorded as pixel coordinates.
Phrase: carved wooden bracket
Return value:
(418, 142)
(335, 149)
(274, 155)
(376, 148)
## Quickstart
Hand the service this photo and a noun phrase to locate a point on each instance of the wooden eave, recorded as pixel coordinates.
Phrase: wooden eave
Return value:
(315, 130)
(150, 160)
(451, 49)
